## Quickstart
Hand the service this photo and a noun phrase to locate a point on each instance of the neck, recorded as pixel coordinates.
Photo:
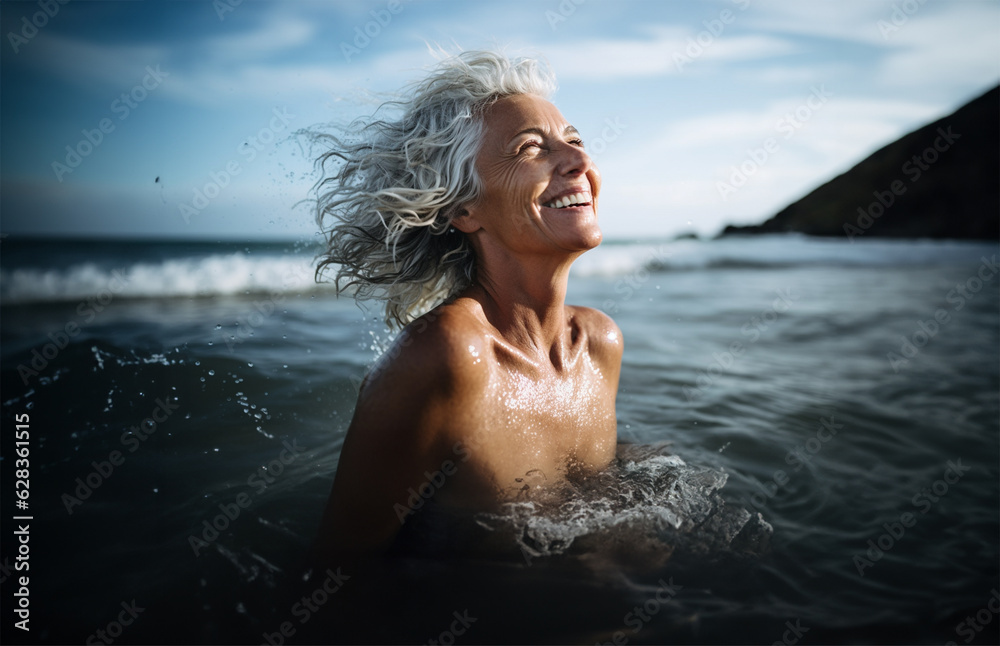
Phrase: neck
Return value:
(526, 301)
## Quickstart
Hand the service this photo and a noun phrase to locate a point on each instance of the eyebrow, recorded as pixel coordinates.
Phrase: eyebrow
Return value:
(567, 131)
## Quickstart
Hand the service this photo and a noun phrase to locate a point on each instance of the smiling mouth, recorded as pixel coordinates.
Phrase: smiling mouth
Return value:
(567, 201)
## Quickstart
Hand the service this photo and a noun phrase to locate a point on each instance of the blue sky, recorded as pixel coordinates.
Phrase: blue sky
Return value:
(673, 99)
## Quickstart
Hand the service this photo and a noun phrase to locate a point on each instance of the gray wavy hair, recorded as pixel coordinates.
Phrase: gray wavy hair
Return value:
(397, 184)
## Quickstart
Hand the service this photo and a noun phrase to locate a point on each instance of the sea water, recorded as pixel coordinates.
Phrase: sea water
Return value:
(808, 428)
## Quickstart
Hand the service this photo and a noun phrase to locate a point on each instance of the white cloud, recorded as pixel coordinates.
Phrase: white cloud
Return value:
(669, 51)
(274, 83)
(84, 62)
(685, 130)
(272, 36)
(959, 49)
(944, 45)
(694, 155)
(850, 21)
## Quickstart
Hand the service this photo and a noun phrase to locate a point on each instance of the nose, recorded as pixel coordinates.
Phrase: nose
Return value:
(574, 160)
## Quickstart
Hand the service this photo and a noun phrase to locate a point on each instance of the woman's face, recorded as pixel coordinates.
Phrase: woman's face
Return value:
(539, 186)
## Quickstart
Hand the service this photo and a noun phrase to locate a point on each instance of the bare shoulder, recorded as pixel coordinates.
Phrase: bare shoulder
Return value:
(451, 338)
(434, 360)
(412, 405)
(604, 337)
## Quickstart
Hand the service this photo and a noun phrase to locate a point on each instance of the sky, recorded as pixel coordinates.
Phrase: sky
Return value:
(183, 119)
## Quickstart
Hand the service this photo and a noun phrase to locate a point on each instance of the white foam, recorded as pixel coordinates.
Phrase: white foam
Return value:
(215, 275)
(636, 260)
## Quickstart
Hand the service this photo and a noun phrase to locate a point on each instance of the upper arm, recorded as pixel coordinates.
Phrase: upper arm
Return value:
(400, 430)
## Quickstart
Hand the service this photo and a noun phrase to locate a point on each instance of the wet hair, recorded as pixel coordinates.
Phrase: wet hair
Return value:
(397, 184)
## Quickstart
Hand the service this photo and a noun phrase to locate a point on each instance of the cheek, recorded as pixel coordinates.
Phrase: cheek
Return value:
(510, 182)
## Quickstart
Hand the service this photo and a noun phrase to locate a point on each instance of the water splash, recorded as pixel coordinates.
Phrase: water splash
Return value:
(648, 503)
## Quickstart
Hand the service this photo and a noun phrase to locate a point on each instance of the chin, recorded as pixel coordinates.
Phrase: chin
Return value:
(576, 231)
(595, 238)
(587, 239)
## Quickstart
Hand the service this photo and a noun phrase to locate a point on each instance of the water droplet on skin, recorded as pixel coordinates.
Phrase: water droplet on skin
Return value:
(211, 373)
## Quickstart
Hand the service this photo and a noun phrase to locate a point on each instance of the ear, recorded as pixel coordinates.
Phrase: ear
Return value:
(465, 220)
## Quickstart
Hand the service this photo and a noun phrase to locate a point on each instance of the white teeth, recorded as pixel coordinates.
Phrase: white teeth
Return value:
(563, 202)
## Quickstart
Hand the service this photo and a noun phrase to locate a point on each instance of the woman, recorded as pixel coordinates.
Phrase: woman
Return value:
(475, 202)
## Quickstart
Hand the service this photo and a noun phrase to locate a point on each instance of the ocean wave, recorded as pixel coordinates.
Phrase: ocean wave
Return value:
(163, 270)
(771, 252)
(206, 276)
